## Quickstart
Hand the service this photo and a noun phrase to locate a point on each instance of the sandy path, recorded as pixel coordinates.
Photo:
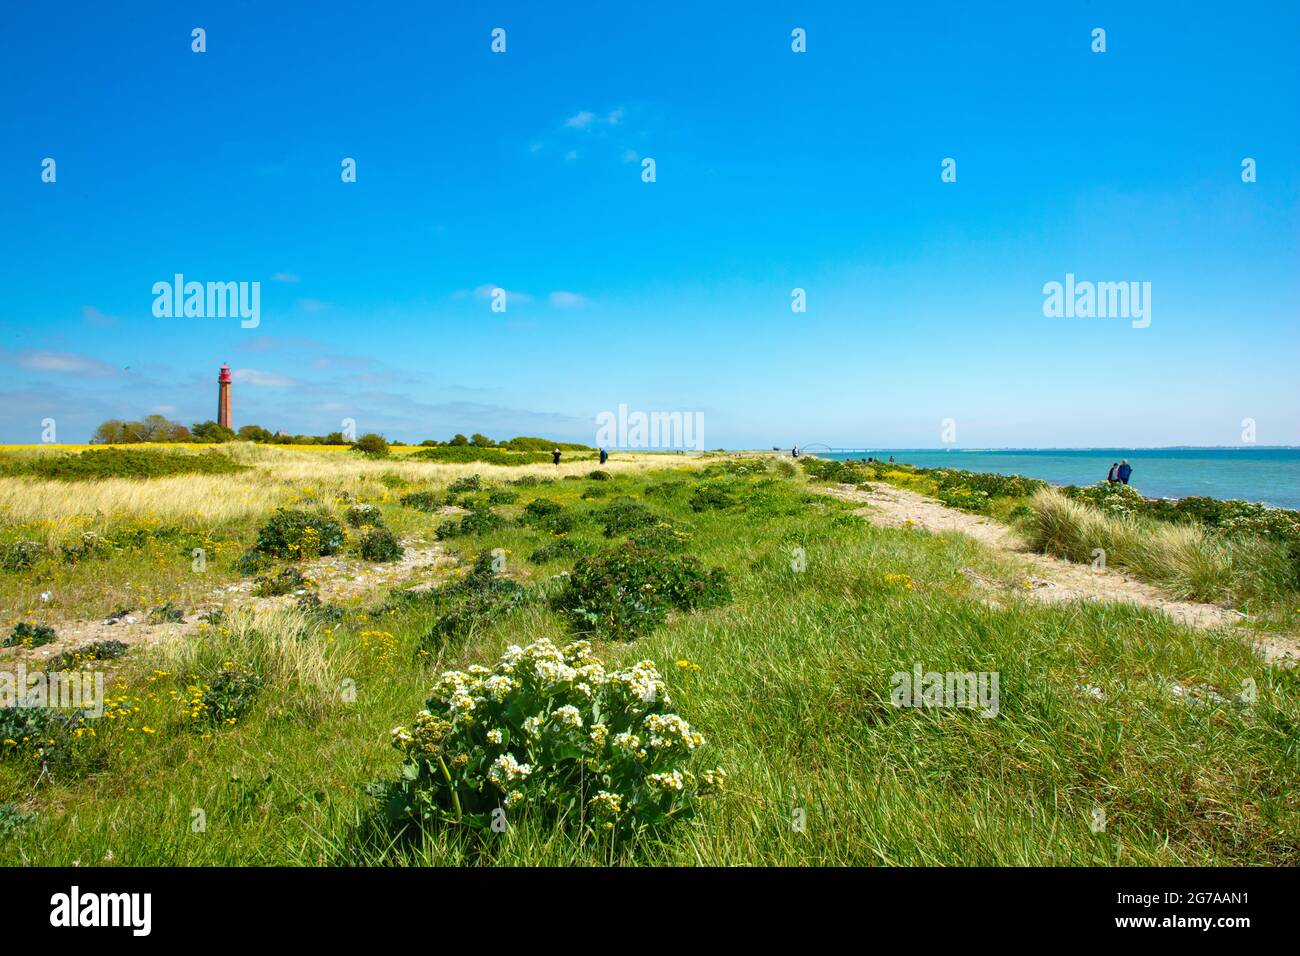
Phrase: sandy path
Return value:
(1047, 578)
(336, 578)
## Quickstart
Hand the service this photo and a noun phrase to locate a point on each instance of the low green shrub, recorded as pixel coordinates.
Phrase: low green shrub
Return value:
(480, 598)
(380, 545)
(478, 521)
(468, 483)
(547, 515)
(41, 734)
(22, 555)
(29, 635)
(295, 535)
(358, 516)
(422, 501)
(627, 590)
(660, 537)
(624, 516)
(285, 581)
(168, 613)
(12, 819)
(557, 550)
(713, 496)
(86, 654)
(310, 603)
(230, 695)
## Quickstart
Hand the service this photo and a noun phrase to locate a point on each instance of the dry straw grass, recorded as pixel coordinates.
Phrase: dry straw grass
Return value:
(278, 476)
(1185, 559)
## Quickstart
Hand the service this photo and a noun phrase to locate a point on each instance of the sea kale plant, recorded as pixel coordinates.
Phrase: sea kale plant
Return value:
(548, 731)
(627, 590)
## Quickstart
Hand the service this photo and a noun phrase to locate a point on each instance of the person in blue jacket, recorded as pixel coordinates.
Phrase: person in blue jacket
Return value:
(1125, 469)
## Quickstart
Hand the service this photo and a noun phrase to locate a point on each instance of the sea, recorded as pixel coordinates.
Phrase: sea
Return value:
(1267, 475)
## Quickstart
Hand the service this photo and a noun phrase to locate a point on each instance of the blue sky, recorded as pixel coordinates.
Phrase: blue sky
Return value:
(775, 170)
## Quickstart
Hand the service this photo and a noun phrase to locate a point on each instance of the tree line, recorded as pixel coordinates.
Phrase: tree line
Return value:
(159, 428)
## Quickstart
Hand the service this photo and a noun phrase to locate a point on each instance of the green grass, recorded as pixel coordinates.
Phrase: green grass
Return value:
(792, 695)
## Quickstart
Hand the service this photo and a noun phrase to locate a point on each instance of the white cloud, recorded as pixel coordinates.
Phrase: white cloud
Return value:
(286, 277)
(567, 300)
(614, 116)
(581, 120)
(252, 376)
(95, 317)
(485, 292)
(64, 363)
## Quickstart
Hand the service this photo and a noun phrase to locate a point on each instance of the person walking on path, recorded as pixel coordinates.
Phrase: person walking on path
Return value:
(604, 456)
(1125, 469)
(1112, 476)
(555, 454)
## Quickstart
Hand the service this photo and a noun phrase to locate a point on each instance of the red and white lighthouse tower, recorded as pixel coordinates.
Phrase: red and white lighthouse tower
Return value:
(223, 397)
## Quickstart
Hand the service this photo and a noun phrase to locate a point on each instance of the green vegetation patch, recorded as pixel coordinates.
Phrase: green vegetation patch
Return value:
(119, 463)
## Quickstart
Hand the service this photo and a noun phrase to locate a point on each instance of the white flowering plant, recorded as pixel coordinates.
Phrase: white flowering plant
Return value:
(549, 730)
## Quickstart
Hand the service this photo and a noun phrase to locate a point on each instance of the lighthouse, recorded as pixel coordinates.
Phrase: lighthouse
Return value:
(223, 397)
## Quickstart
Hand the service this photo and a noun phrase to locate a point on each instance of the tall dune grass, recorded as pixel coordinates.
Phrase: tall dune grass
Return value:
(1187, 560)
(278, 475)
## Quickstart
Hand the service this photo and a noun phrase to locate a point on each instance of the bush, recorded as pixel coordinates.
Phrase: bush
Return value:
(622, 516)
(286, 581)
(294, 535)
(422, 501)
(361, 515)
(42, 734)
(168, 613)
(468, 483)
(502, 496)
(599, 475)
(29, 635)
(86, 654)
(380, 545)
(628, 590)
(557, 550)
(478, 521)
(479, 598)
(372, 446)
(21, 555)
(230, 696)
(660, 537)
(548, 731)
(712, 496)
(12, 820)
(311, 604)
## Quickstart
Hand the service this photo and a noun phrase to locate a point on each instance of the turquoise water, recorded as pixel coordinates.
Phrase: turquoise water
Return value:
(1269, 475)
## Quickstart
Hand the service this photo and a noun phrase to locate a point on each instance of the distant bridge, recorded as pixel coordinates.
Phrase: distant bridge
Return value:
(814, 448)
